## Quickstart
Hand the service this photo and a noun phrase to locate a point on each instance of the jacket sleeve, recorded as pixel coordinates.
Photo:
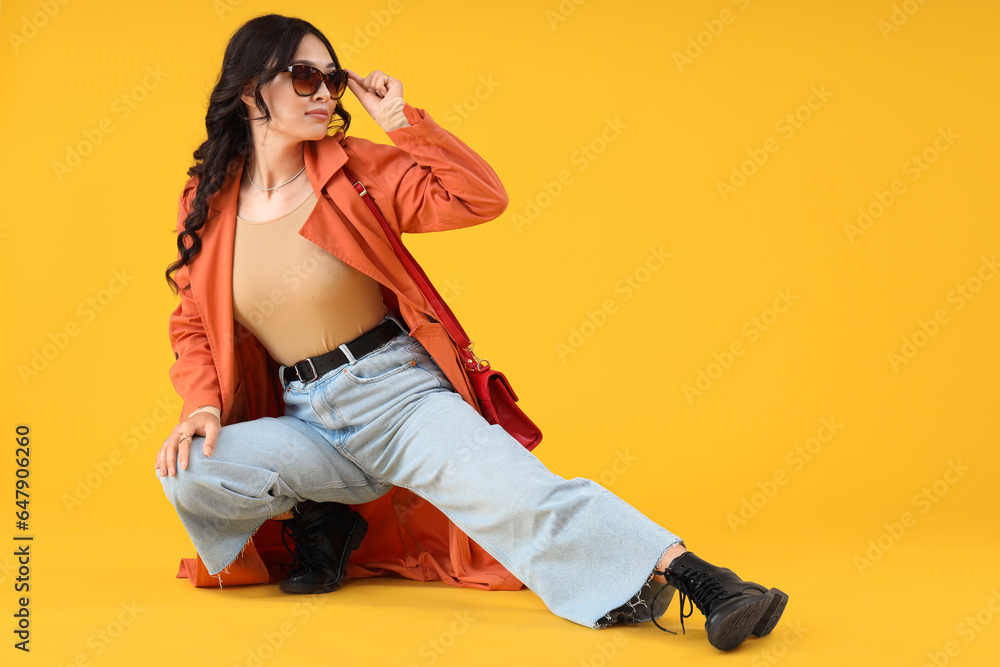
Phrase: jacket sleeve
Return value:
(434, 180)
(193, 373)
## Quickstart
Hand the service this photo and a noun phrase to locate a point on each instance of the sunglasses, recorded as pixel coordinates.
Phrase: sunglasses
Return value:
(306, 80)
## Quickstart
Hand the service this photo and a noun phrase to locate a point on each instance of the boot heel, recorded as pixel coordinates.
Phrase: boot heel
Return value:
(772, 614)
(360, 529)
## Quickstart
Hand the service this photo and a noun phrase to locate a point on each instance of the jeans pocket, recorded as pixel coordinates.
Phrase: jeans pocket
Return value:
(244, 487)
(380, 364)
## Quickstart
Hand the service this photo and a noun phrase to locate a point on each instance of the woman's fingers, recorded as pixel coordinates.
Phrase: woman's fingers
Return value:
(161, 460)
(167, 457)
(374, 88)
(384, 85)
(352, 77)
(211, 432)
(361, 87)
(183, 445)
(374, 83)
(161, 457)
(355, 83)
(176, 449)
(377, 82)
(173, 447)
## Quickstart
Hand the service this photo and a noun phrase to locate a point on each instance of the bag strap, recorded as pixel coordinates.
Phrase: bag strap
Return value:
(441, 309)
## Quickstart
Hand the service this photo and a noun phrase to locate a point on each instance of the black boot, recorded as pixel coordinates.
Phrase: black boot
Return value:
(734, 609)
(325, 534)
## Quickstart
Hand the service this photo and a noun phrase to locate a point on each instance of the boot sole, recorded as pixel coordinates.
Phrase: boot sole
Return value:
(359, 528)
(309, 588)
(733, 623)
(770, 618)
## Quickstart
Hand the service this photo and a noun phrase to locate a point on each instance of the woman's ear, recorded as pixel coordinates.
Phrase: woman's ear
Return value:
(247, 95)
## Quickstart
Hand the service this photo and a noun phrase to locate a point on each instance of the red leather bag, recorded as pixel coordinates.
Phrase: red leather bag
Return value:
(497, 400)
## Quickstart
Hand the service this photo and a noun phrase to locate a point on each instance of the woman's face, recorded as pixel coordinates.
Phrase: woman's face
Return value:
(290, 112)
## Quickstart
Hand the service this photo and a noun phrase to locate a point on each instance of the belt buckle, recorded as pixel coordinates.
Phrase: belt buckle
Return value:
(311, 365)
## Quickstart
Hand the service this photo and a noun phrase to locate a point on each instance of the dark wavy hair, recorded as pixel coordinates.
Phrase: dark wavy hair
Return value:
(256, 51)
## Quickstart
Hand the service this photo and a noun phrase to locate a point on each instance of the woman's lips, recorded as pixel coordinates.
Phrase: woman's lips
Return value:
(318, 115)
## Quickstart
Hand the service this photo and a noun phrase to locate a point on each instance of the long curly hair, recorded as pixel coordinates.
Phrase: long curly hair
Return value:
(254, 55)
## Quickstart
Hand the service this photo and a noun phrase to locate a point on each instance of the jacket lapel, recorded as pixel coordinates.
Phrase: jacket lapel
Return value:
(343, 225)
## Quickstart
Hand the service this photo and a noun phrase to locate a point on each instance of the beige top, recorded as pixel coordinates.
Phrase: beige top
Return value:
(297, 299)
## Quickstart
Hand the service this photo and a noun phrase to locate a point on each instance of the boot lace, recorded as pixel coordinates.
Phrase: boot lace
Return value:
(702, 587)
(303, 559)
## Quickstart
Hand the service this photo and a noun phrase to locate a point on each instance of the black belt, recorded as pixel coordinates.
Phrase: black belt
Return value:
(312, 368)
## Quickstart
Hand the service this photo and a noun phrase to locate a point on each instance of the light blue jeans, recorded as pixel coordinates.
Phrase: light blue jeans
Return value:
(392, 418)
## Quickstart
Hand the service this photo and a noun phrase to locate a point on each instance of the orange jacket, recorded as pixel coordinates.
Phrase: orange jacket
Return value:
(429, 181)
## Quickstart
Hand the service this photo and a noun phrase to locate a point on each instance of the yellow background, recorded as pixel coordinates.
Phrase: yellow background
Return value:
(897, 76)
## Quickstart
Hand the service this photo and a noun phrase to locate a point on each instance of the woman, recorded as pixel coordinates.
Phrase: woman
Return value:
(317, 384)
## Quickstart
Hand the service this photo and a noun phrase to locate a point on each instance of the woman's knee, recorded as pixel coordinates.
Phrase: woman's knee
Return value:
(217, 482)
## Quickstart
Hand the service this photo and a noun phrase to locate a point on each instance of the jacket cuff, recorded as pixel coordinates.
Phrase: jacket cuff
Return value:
(420, 126)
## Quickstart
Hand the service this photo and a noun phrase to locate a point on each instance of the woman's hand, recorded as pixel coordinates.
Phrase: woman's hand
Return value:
(373, 90)
(204, 424)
